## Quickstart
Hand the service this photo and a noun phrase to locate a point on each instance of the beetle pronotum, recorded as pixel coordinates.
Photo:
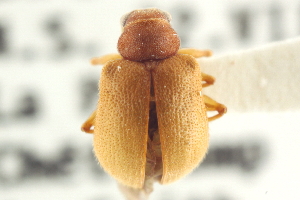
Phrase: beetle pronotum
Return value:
(151, 116)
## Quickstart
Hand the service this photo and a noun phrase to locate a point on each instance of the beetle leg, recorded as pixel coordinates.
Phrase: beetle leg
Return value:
(103, 59)
(89, 123)
(195, 52)
(208, 79)
(212, 105)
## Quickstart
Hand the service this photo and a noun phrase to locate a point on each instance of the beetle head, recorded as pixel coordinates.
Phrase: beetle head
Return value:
(147, 35)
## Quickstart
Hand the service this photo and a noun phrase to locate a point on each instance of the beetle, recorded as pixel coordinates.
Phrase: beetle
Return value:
(151, 118)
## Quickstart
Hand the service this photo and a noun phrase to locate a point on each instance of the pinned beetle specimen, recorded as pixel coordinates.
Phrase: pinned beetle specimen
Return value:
(151, 121)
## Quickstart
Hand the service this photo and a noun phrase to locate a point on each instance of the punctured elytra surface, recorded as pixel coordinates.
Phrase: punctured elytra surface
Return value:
(121, 125)
(182, 118)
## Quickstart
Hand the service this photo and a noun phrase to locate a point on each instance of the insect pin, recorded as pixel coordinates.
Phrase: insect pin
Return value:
(151, 119)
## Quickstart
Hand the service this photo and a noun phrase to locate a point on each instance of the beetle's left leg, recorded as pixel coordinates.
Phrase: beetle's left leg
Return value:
(212, 105)
(208, 79)
(103, 59)
(195, 52)
(89, 123)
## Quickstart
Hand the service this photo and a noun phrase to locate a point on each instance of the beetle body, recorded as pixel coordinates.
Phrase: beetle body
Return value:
(151, 116)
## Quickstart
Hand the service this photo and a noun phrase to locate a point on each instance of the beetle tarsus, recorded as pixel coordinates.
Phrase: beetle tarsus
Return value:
(89, 123)
(196, 53)
(212, 105)
(208, 79)
(104, 59)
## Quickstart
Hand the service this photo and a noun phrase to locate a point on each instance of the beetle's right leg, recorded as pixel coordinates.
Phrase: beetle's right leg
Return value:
(89, 123)
(103, 59)
(212, 105)
(208, 79)
(195, 52)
